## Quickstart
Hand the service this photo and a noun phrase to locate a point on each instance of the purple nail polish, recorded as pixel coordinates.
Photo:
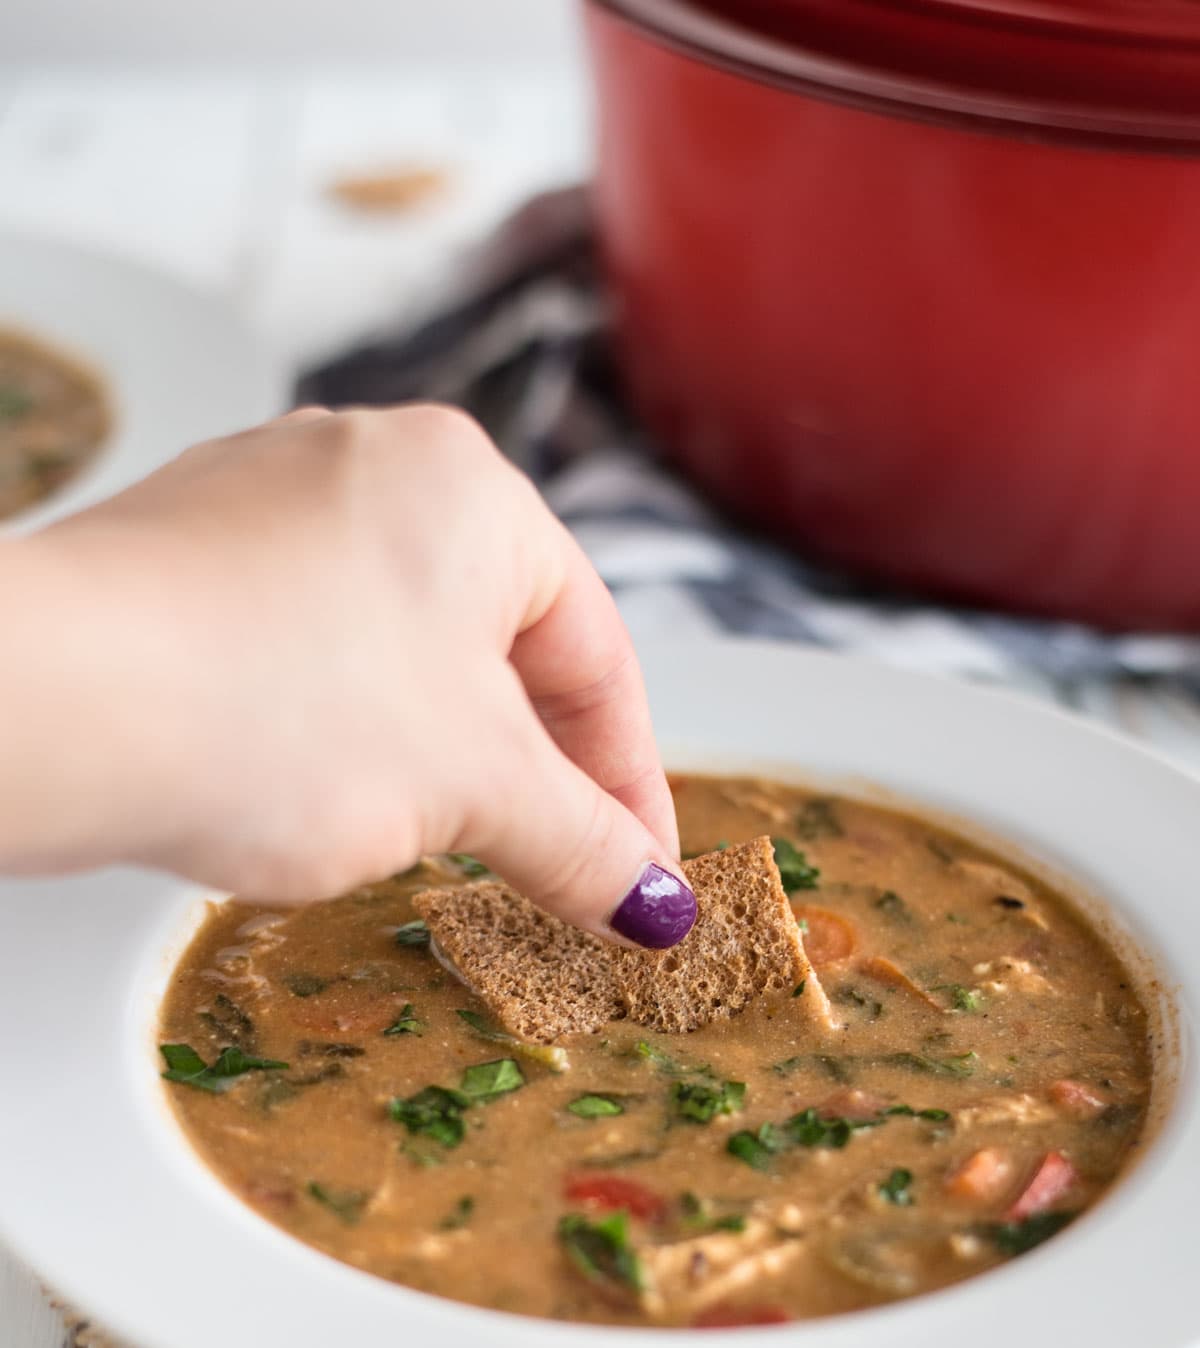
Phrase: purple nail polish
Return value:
(657, 912)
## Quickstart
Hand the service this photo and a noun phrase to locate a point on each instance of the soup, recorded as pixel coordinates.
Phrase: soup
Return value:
(986, 1079)
(54, 416)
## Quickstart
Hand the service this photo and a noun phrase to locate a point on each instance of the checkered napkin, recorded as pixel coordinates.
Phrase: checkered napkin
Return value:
(521, 342)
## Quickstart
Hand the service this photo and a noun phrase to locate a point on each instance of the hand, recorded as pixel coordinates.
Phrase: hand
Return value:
(302, 656)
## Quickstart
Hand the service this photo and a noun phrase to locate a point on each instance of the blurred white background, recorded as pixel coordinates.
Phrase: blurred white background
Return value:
(531, 32)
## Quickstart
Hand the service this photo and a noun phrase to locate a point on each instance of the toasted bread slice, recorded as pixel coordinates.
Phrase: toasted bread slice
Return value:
(746, 942)
(542, 978)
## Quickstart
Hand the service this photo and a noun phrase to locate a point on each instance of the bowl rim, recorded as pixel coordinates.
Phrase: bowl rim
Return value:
(84, 960)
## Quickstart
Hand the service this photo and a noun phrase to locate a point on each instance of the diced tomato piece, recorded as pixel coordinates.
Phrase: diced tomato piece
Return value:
(1076, 1099)
(982, 1178)
(853, 1104)
(884, 970)
(610, 1192)
(1053, 1178)
(827, 937)
(723, 1316)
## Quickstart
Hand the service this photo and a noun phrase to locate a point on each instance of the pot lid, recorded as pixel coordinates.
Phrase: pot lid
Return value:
(1117, 68)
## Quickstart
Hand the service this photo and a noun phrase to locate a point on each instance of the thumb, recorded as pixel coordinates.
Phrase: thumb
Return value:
(573, 849)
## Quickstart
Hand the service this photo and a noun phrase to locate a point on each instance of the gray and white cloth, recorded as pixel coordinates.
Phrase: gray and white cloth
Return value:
(521, 343)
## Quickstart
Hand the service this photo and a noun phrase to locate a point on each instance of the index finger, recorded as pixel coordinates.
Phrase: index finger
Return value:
(581, 674)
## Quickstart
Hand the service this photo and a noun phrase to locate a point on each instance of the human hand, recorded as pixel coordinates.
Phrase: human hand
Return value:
(338, 641)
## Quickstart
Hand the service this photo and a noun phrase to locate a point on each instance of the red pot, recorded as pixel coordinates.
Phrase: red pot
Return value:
(915, 284)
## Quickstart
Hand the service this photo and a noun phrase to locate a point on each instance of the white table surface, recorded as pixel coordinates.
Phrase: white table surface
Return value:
(221, 177)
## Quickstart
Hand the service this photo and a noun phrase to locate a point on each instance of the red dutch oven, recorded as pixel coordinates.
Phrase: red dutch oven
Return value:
(915, 284)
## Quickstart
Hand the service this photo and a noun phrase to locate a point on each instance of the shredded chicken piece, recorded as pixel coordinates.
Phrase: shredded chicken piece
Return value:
(1018, 1109)
(1009, 972)
(685, 1277)
(963, 1245)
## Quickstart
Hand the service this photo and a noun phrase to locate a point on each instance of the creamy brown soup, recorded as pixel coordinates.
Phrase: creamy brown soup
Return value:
(54, 416)
(988, 1078)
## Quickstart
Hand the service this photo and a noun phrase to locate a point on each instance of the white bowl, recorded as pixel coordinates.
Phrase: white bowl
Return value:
(180, 364)
(101, 1194)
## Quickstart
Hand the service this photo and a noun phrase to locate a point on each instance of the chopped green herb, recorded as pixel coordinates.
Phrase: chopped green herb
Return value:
(433, 1112)
(305, 985)
(460, 1215)
(306, 1048)
(809, 1129)
(756, 1149)
(14, 402)
(229, 1022)
(702, 1103)
(1018, 1237)
(798, 990)
(555, 1059)
(958, 1065)
(890, 903)
(413, 933)
(595, 1107)
(470, 866)
(347, 1204)
(957, 917)
(188, 1068)
(934, 1115)
(965, 999)
(663, 1061)
(600, 1250)
(897, 1188)
(406, 1022)
(424, 1157)
(802, 923)
(794, 871)
(817, 818)
(486, 1080)
(731, 1223)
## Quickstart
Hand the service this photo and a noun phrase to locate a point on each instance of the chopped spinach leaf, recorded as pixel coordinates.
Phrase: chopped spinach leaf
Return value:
(969, 1000)
(471, 868)
(187, 1067)
(809, 1129)
(897, 1188)
(307, 1048)
(595, 1107)
(657, 1058)
(731, 1223)
(798, 990)
(229, 1022)
(460, 1215)
(891, 904)
(347, 1204)
(958, 1065)
(406, 1023)
(934, 1115)
(486, 1080)
(817, 818)
(701, 1103)
(413, 933)
(848, 995)
(555, 1059)
(756, 1149)
(433, 1112)
(600, 1249)
(14, 402)
(1017, 1237)
(305, 985)
(794, 871)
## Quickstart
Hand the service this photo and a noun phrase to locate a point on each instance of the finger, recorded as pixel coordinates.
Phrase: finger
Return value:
(581, 674)
(559, 838)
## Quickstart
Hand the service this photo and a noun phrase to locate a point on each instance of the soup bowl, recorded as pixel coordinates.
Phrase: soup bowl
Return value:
(105, 1200)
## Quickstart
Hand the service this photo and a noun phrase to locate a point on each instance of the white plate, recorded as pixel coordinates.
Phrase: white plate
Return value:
(100, 1193)
(179, 363)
